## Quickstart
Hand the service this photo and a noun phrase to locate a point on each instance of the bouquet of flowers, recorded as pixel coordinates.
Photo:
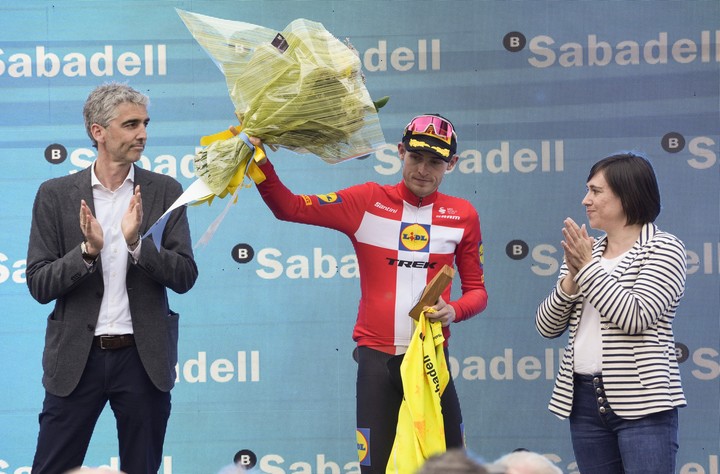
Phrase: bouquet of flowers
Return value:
(300, 88)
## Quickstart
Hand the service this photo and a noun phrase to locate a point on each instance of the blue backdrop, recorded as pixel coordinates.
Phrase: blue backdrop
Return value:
(538, 92)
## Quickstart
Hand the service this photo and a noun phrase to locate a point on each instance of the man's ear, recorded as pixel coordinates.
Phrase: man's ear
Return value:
(401, 151)
(451, 163)
(97, 132)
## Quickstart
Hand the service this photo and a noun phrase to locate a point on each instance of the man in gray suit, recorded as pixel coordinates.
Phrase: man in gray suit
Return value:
(111, 335)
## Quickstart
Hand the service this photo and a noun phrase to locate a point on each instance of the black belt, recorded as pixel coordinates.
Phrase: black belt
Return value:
(114, 342)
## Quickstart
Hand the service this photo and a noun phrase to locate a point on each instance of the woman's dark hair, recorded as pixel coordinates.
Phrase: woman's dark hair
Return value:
(632, 179)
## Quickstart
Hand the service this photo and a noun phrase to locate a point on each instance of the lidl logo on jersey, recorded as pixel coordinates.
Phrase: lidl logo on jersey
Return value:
(414, 237)
(330, 198)
(363, 445)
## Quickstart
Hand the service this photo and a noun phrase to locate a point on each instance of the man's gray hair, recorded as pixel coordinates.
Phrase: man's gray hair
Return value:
(526, 462)
(452, 461)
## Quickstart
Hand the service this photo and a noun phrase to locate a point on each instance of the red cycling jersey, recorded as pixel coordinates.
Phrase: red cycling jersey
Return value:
(401, 242)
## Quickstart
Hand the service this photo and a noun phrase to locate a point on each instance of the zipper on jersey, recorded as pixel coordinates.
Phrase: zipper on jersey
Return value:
(412, 272)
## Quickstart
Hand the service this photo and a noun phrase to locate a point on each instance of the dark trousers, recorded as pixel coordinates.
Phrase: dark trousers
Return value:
(605, 443)
(379, 396)
(141, 412)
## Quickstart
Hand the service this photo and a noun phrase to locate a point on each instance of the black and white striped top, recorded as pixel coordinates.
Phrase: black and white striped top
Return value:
(637, 305)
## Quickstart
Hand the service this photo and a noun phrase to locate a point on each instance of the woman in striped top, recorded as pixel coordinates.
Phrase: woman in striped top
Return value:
(618, 382)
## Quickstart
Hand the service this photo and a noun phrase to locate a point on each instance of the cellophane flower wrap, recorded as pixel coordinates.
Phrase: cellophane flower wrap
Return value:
(300, 88)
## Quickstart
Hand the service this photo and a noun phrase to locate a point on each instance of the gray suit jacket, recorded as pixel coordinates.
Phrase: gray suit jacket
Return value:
(56, 271)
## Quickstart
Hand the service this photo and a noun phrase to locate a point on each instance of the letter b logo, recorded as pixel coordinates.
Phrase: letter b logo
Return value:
(517, 249)
(245, 459)
(673, 142)
(514, 41)
(243, 253)
(55, 153)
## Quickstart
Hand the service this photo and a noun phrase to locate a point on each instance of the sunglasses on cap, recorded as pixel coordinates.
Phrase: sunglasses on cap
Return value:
(433, 126)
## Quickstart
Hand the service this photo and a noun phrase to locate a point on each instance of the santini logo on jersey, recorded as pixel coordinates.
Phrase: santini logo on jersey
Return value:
(414, 237)
(385, 208)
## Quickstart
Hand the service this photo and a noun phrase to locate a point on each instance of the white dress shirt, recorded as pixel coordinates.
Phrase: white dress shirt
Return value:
(110, 206)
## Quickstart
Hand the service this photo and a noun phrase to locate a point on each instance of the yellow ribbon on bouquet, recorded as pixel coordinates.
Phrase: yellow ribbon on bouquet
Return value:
(247, 167)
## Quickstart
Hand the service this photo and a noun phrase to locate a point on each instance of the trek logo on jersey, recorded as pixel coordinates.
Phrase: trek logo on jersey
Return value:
(414, 237)
(330, 198)
(394, 262)
(363, 445)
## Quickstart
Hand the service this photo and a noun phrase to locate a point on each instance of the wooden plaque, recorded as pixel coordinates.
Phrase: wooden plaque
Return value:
(433, 290)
